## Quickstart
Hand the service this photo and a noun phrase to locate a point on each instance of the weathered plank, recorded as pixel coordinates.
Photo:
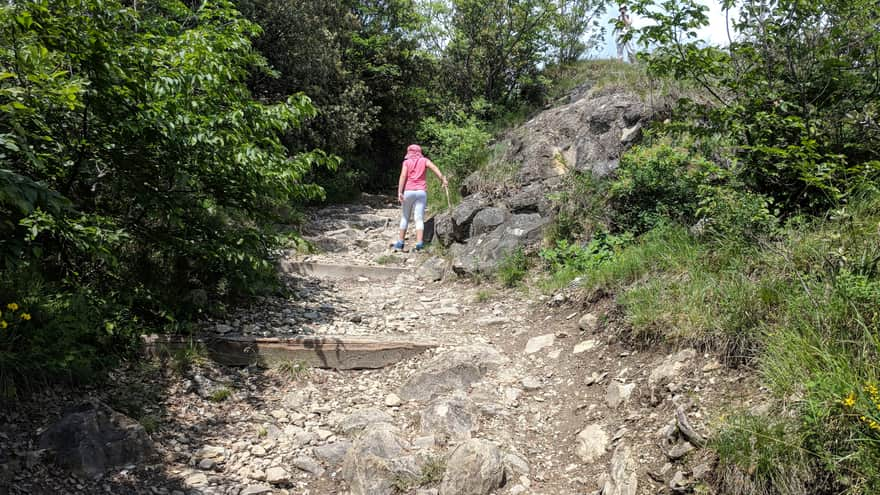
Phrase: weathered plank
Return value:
(342, 272)
(341, 353)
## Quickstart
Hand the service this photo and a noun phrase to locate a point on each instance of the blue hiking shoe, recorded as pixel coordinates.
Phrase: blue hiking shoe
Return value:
(398, 245)
(420, 246)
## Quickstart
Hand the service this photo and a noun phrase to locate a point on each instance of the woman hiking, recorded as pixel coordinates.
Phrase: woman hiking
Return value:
(412, 193)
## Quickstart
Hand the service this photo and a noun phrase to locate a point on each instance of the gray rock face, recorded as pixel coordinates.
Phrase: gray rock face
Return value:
(453, 370)
(587, 135)
(465, 212)
(444, 229)
(449, 417)
(376, 459)
(482, 254)
(487, 219)
(94, 438)
(475, 467)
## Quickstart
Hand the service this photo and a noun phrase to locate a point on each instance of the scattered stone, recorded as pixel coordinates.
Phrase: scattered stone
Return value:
(196, 480)
(588, 323)
(535, 344)
(256, 490)
(712, 366)
(432, 269)
(308, 465)
(531, 383)
(92, 438)
(277, 475)
(618, 393)
(207, 464)
(593, 441)
(474, 468)
(584, 346)
(223, 328)
(624, 479)
(679, 451)
(392, 400)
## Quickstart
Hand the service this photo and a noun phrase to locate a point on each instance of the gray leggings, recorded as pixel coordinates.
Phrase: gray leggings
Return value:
(414, 200)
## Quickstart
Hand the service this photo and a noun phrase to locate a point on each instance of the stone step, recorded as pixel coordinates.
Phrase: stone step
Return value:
(326, 271)
(341, 353)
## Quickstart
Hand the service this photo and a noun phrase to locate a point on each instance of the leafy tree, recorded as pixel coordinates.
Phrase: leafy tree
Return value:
(137, 174)
(797, 86)
(575, 29)
(496, 49)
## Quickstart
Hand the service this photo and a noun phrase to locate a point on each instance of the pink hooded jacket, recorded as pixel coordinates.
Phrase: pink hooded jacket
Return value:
(415, 164)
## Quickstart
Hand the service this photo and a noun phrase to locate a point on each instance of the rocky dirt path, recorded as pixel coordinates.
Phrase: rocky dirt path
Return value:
(524, 394)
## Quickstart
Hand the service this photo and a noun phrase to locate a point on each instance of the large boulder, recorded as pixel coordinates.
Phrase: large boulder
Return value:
(92, 438)
(453, 370)
(376, 459)
(449, 417)
(476, 467)
(483, 254)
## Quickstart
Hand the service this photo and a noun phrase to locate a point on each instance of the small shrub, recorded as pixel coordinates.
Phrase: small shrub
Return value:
(483, 295)
(572, 257)
(292, 370)
(150, 422)
(220, 395)
(513, 268)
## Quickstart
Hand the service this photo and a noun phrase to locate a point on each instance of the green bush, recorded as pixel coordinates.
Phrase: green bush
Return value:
(458, 147)
(654, 183)
(513, 268)
(735, 214)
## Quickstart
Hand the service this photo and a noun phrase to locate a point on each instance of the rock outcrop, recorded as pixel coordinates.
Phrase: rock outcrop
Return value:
(497, 217)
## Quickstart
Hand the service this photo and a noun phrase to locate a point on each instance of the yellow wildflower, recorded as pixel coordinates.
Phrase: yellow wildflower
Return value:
(3, 324)
(25, 316)
(12, 306)
(850, 400)
(871, 389)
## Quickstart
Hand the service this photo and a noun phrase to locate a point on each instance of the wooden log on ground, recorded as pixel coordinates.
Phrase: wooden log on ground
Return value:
(341, 353)
(328, 271)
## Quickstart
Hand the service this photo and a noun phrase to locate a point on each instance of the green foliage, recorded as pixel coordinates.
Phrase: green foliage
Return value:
(292, 370)
(138, 177)
(762, 455)
(457, 147)
(513, 268)
(600, 249)
(796, 89)
(654, 183)
(220, 395)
